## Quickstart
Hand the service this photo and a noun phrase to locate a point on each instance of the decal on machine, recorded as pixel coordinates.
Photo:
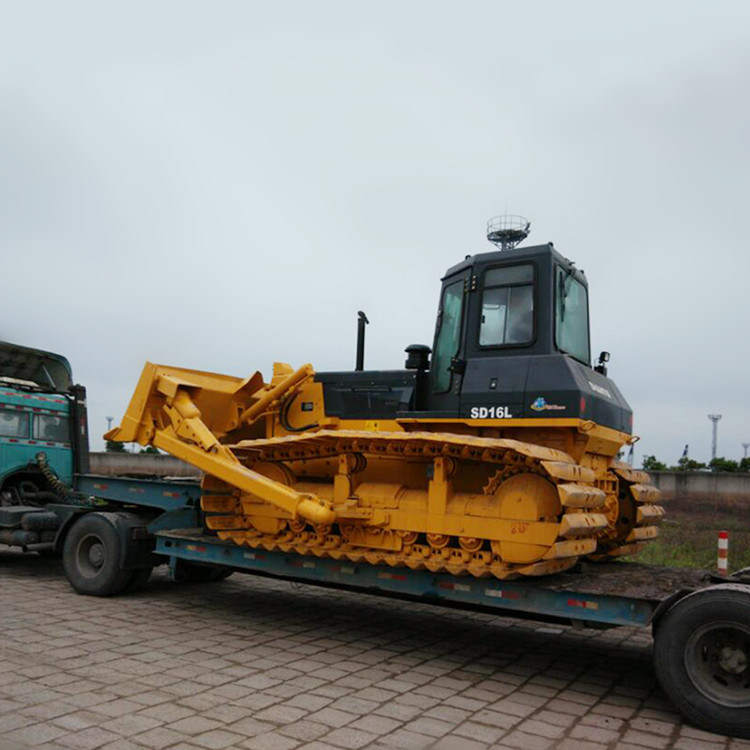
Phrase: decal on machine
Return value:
(490, 412)
(540, 404)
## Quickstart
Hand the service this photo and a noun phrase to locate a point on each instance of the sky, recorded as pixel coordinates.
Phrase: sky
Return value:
(223, 185)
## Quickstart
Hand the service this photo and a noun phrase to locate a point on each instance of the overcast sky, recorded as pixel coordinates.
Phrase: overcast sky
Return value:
(221, 185)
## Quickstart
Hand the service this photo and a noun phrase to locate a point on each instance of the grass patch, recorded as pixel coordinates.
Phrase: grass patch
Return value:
(688, 539)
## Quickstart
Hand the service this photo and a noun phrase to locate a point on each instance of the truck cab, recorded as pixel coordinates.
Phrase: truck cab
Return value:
(41, 410)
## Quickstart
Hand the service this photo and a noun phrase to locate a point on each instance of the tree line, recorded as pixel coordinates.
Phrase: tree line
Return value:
(652, 463)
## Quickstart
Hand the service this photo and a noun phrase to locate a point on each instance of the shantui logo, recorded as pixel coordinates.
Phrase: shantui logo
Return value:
(541, 405)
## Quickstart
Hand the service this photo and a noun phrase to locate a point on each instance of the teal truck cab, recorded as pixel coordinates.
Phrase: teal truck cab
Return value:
(41, 411)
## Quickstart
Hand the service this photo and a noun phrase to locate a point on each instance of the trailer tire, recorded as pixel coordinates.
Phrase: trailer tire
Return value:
(702, 658)
(92, 555)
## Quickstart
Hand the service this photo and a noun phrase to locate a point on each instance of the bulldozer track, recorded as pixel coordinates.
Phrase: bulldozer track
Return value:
(638, 514)
(571, 532)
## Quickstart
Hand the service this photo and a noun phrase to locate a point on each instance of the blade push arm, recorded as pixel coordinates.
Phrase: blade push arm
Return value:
(166, 412)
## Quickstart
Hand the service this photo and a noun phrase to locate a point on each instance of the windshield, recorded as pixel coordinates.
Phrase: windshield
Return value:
(507, 306)
(572, 317)
(449, 334)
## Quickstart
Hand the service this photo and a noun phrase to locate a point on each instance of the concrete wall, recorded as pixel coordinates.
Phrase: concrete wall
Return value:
(140, 464)
(704, 486)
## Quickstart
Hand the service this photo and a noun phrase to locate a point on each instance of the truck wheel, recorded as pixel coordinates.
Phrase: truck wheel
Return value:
(702, 658)
(91, 557)
(188, 572)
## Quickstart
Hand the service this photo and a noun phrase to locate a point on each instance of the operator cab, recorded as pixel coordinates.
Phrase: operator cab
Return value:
(511, 342)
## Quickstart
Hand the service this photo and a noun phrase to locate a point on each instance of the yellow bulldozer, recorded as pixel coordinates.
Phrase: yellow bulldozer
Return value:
(493, 453)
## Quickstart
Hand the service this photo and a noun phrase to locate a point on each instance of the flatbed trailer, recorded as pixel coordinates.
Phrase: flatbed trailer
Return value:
(117, 529)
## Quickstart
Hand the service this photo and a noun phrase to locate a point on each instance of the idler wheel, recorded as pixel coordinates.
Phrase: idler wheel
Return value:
(528, 499)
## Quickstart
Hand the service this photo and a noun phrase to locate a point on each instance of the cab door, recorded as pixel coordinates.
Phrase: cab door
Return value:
(448, 363)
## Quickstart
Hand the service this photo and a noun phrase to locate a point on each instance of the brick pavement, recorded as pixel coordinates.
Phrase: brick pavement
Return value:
(266, 665)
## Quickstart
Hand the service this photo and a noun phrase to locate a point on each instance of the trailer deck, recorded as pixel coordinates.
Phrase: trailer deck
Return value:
(606, 594)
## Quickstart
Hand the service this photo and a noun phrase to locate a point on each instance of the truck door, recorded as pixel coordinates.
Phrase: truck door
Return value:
(448, 364)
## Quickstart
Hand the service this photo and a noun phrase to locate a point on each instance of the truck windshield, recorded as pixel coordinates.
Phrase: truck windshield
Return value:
(572, 317)
(449, 334)
(507, 306)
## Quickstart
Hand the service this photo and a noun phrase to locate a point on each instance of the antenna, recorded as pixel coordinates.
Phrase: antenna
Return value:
(715, 419)
(507, 231)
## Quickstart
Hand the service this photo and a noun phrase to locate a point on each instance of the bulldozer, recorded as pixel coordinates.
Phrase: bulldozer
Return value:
(493, 453)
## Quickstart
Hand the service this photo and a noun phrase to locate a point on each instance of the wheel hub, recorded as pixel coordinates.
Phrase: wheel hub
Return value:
(716, 660)
(732, 660)
(96, 555)
(91, 555)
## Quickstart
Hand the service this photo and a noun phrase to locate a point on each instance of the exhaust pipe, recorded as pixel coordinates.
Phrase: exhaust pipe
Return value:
(361, 323)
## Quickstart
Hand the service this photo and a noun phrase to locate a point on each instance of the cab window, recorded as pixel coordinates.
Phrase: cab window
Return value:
(572, 316)
(52, 429)
(14, 424)
(448, 337)
(507, 306)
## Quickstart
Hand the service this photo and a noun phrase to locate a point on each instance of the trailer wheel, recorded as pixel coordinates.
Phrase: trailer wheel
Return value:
(702, 658)
(91, 557)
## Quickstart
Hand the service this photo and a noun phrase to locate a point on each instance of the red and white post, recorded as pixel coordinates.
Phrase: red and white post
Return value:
(722, 562)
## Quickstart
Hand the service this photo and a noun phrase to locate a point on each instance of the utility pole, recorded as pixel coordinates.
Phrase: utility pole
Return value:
(715, 419)
(745, 446)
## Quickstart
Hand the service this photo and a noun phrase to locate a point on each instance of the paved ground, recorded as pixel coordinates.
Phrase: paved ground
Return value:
(268, 665)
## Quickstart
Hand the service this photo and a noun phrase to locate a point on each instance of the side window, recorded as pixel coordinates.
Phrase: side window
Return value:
(14, 424)
(572, 317)
(449, 335)
(53, 429)
(507, 306)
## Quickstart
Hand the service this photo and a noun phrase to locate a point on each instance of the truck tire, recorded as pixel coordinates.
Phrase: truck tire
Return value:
(92, 555)
(702, 658)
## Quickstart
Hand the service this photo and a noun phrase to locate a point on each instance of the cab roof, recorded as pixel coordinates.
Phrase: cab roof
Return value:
(47, 370)
(516, 254)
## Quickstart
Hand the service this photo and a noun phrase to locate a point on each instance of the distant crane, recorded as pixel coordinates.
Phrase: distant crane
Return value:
(715, 419)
